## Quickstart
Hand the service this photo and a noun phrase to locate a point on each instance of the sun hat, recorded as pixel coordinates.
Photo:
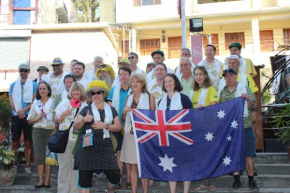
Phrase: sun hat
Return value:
(97, 85)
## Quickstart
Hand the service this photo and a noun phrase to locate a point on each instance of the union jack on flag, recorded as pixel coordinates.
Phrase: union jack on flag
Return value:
(163, 125)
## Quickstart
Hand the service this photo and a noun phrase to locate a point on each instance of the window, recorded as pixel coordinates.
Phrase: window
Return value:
(174, 47)
(214, 41)
(146, 2)
(286, 35)
(149, 45)
(266, 41)
(234, 37)
(23, 12)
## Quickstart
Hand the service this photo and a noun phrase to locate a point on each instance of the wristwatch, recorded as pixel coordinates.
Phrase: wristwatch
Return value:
(107, 127)
(254, 109)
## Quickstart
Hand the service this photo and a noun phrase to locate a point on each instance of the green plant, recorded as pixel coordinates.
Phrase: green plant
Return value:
(7, 156)
(282, 122)
(5, 116)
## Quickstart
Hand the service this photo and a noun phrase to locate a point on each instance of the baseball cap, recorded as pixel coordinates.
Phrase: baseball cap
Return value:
(236, 44)
(24, 66)
(157, 52)
(43, 68)
(124, 60)
(230, 70)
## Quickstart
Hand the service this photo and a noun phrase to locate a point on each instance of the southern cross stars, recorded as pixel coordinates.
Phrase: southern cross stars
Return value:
(227, 160)
(167, 163)
(209, 136)
(221, 114)
(229, 138)
(234, 124)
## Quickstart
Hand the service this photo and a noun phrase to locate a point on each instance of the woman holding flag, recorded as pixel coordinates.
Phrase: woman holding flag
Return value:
(138, 99)
(174, 100)
(203, 94)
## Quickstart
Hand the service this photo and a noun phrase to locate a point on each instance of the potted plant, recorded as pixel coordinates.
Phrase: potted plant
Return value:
(7, 174)
(5, 117)
(282, 122)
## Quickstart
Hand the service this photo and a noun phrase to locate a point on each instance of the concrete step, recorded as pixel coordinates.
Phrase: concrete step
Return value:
(53, 189)
(263, 181)
(271, 158)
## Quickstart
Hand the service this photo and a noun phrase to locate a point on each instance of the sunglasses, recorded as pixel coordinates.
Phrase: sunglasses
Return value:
(55, 65)
(23, 70)
(102, 66)
(131, 57)
(97, 92)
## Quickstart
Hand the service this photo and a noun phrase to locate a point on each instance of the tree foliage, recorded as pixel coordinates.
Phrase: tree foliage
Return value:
(88, 8)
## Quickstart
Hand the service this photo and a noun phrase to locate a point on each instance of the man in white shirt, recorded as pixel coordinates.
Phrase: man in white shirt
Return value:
(91, 75)
(106, 73)
(72, 65)
(78, 72)
(133, 58)
(213, 66)
(122, 63)
(186, 76)
(68, 80)
(55, 79)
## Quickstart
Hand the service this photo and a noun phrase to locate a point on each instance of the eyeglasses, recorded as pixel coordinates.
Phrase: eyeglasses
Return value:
(23, 70)
(102, 66)
(131, 57)
(55, 65)
(97, 93)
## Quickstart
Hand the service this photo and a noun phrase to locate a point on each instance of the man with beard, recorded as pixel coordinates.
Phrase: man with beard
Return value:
(55, 79)
(78, 72)
(21, 94)
(91, 75)
(106, 73)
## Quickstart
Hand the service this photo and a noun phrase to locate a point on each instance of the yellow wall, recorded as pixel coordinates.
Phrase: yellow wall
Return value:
(107, 11)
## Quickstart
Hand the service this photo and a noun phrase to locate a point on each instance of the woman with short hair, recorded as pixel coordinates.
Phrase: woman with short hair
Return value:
(94, 147)
(174, 100)
(41, 117)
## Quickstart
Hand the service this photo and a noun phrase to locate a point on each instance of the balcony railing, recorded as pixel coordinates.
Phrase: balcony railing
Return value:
(267, 45)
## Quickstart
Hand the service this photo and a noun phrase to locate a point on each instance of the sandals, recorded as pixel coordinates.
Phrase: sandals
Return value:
(212, 188)
(200, 187)
(128, 186)
(119, 186)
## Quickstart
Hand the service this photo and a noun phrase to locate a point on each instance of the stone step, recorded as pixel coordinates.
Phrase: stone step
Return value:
(271, 158)
(261, 169)
(263, 181)
(53, 189)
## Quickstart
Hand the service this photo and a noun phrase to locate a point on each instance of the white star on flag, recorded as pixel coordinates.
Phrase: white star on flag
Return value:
(234, 124)
(227, 160)
(167, 163)
(221, 114)
(229, 138)
(209, 136)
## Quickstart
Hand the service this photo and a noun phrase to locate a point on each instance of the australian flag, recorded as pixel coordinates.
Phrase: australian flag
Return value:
(190, 144)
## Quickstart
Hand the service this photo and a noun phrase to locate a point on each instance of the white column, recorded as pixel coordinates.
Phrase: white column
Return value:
(130, 40)
(134, 40)
(183, 23)
(256, 35)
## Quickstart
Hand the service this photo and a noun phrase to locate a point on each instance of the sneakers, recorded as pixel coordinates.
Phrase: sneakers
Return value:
(98, 173)
(28, 170)
(14, 168)
(236, 185)
(253, 185)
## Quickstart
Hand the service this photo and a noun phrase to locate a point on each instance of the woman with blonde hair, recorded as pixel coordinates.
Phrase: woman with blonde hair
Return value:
(138, 99)
(65, 113)
(94, 147)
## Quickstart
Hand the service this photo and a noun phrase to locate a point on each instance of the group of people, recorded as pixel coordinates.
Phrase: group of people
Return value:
(96, 107)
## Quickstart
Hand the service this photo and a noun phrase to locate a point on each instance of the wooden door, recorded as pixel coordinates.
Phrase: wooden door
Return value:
(234, 37)
(174, 47)
(126, 48)
(266, 41)
(214, 42)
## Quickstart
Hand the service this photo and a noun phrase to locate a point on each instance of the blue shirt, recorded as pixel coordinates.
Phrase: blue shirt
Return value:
(35, 85)
(122, 100)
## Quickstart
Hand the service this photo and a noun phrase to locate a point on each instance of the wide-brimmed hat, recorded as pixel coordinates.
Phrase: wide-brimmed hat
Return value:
(43, 68)
(108, 68)
(97, 85)
(230, 70)
(232, 57)
(57, 60)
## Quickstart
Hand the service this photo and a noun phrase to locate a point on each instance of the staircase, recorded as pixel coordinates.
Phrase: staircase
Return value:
(273, 177)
